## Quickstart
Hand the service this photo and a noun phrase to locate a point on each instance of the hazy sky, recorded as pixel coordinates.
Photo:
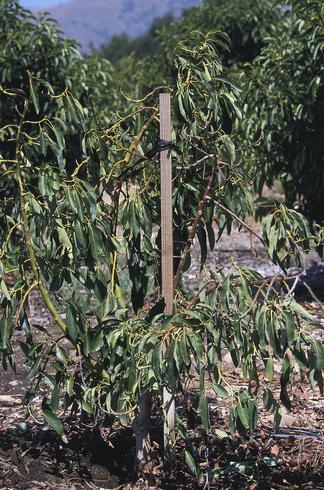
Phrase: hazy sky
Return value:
(40, 3)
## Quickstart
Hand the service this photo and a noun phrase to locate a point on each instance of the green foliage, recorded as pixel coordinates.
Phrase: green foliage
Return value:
(246, 22)
(278, 50)
(85, 216)
(52, 57)
(287, 236)
(53, 65)
(146, 62)
(286, 86)
(147, 44)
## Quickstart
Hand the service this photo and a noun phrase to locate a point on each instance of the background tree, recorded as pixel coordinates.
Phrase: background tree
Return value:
(284, 101)
(57, 61)
(283, 86)
(147, 61)
(146, 45)
(246, 22)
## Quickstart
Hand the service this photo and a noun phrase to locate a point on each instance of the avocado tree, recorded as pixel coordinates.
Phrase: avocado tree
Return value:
(147, 61)
(247, 24)
(52, 58)
(284, 103)
(90, 225)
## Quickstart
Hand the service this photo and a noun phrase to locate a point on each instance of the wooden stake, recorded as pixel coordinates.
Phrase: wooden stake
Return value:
(167, 248)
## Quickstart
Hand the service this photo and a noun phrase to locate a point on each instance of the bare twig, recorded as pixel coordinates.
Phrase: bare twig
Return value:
(242, 223)
(313, 295)
(293, 287)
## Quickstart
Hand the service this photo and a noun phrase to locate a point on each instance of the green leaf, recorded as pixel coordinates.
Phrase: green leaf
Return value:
(73, 110)
(221, 434)
(181, 107)
(55, 397)
(268, 400)
(79, 234)
(69, 385)
(95, 341)
(34, 96)
(120, 297)
(53, 421)
(290, 328)
(203, 409)
(183, 350)
(61, 354)
(75, 202)
(253, 414)
(270, 369)
(35, 205)
(4, 289)
(96, 243)
(243, 413)
(35, 368)
(220, 390)
(72, 326)
(64, 239)
(6, 328)
(202, 238)
(87, 407)
(197, 345)
(191, 462)
(319, 350)
(211, 235)
(228, 151)
(284, 380)
(235, 355)
(297, 308)
(59, 138)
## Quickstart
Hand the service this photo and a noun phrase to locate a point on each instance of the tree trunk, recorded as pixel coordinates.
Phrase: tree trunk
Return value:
(141, 431)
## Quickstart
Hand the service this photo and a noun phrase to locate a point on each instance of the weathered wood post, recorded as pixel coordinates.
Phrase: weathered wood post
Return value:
(167, 246)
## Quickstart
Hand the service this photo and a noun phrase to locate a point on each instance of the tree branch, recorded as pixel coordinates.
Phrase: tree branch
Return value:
(242, 223)
(196, 222)
(29, 244)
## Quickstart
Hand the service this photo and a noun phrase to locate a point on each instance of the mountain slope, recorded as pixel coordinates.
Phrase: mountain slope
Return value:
(96, 21)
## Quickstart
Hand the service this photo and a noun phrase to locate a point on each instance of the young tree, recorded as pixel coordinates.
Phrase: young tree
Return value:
(91, 224)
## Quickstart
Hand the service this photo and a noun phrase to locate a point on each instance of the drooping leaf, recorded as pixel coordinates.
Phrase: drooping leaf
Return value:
(53, 421)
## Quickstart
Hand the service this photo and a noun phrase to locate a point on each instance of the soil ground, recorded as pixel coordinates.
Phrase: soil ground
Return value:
(34, 457)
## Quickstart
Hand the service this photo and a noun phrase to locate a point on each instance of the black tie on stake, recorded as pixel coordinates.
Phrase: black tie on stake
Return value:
(150, 155)
(164, 145)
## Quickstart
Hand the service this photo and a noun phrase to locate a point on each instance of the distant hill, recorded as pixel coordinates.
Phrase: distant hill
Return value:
(96, 21)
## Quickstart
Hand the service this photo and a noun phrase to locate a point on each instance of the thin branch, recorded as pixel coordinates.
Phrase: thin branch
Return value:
(313, 295)
(196, 222)
(234, 216)
(28, 240)
(140, 101)
(293, 287)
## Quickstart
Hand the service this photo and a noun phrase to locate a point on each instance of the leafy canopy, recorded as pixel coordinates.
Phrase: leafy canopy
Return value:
(83, 228)
(284, 93)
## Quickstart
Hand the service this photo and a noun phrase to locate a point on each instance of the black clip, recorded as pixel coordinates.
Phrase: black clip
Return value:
(164, 145)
